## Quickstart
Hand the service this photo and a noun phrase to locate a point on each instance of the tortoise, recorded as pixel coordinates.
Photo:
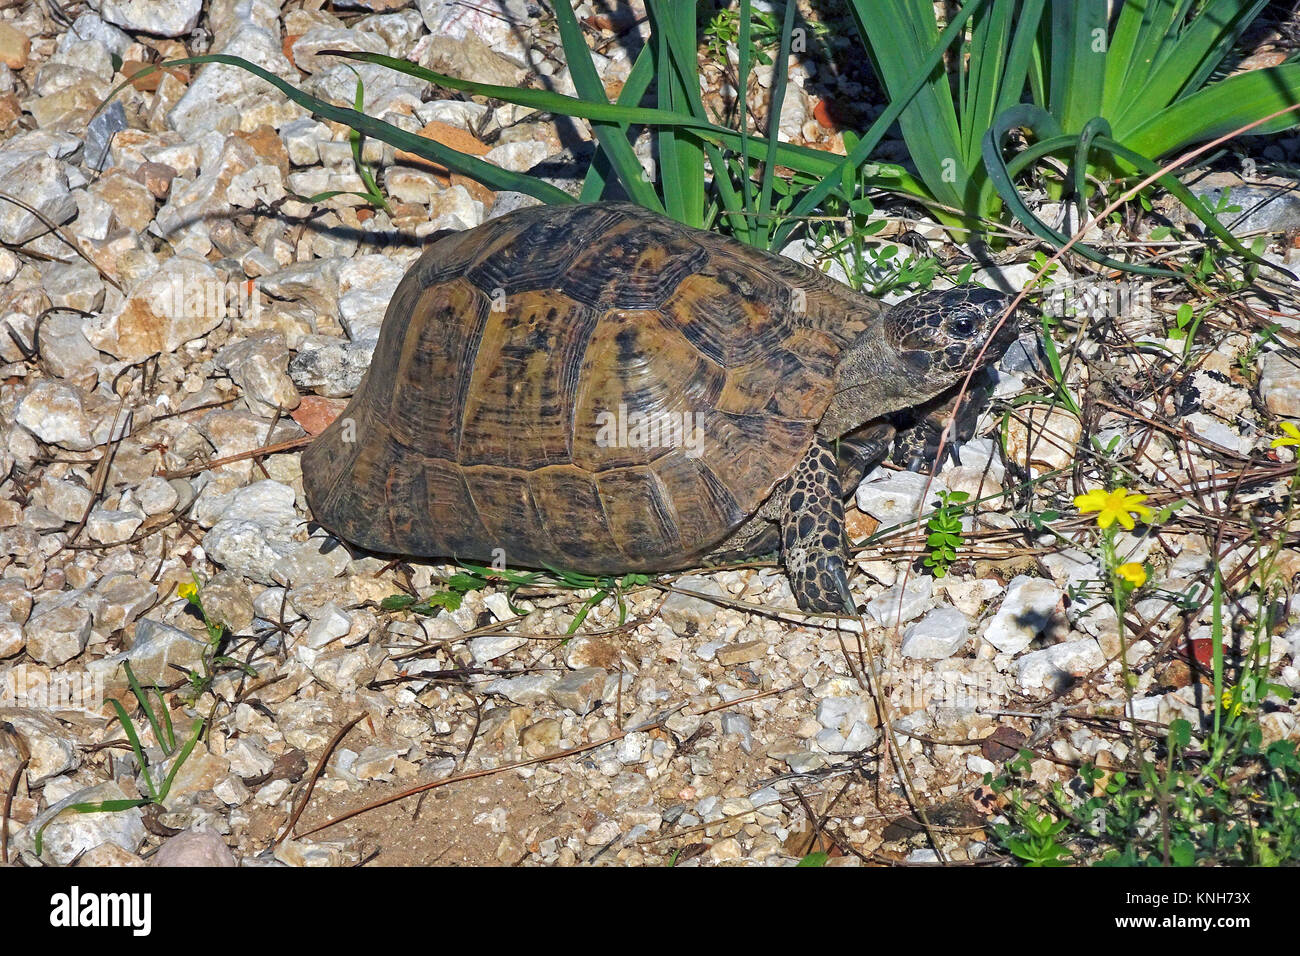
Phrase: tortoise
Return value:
(598, 388)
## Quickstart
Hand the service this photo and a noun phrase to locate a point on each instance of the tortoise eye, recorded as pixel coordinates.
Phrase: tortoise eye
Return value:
(963, 326)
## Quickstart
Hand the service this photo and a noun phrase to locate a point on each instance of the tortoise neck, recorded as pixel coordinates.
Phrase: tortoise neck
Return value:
(869, 384)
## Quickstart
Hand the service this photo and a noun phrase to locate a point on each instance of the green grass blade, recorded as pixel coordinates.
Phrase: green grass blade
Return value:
(170, 743)
(1062, 390)
(143, 698)
(108, 806)
(1156, 34)
(358, 140)
(814, 162)
(731, 202)
(638, 82)
(1218, 109)
(742, 109)
(901, 36)
(774, 119)
(612, 137)
(858, 155)
(494, 177)
(134, 740)
(180, 760)
(682, 44)
(1146, 167)
(692, 147)
(1078, 61)
(1184, 60)
(102, 806)
(1216, 648)
(544, 100)
(666, 140)
(681, 157)
(1002, 34)
(1121, 51)
(1020, 60)
(1213, 40)
(1097, 126)
(1002, 178)
(1002, 175)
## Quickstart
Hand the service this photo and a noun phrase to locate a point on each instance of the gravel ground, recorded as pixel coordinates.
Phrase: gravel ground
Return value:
(168, 302)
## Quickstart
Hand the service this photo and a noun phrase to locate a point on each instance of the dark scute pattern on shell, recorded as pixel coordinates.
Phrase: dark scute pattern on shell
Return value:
(448, 257)
(738, 444)
(431, 392)
(375, 495)
(708, 508)
(636, 266)
(448, 494)
(732, 312)
(637, 366)
(505, 505)
(579, 530)
(537, 255)
(644, 525)
(525, 383)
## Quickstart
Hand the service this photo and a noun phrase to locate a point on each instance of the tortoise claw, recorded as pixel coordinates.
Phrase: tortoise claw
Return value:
(842, 586)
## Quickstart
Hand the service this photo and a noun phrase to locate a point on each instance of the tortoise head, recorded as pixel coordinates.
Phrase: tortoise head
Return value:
(940, 335)
(922, 346)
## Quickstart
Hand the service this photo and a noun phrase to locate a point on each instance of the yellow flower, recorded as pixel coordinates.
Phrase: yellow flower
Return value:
(1292, 436)
(189, 591)
(1132, 572)
(1230, 702)
(1111, 506)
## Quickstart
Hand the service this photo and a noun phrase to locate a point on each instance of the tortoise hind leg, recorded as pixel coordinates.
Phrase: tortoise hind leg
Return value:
(758, 536)
(812, 533)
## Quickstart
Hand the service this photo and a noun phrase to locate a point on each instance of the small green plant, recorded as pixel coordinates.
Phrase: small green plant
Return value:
(945, 538)
(448, 599)
(723, 28)
(1043, 272)
(1184, 326)
(213, 662)
(1246, 358)
(1214, 263)
(1060, 387)
(164, 734)
(372, 194)
(847, 237)
(475, 577)
(1182, 809)
(1034, 837)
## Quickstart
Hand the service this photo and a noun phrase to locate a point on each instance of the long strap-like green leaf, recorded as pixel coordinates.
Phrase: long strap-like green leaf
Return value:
(774, 118)
(858, 155)
(638, 81)
(1051, 140)
(815, 162)
(611, 136)
(494, 177)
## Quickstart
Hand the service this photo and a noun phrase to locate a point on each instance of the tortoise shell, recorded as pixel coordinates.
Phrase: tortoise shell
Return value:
(590, 387)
